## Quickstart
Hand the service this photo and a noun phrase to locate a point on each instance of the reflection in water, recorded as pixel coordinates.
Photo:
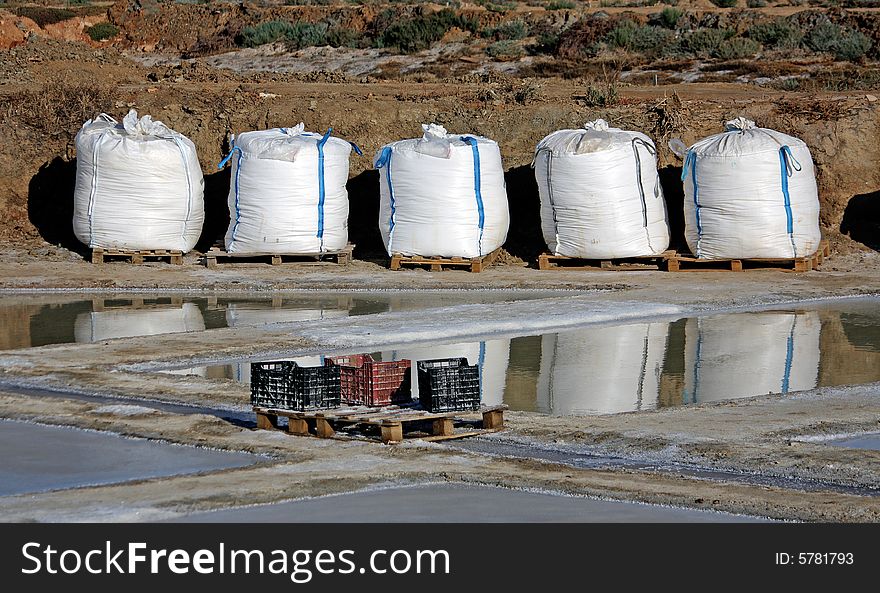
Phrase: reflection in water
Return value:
(491, 356)
(40, 321)
(643, 366)
(596, 370)
(263, 312)
(123, 323)
(734, 356)
(602, 370)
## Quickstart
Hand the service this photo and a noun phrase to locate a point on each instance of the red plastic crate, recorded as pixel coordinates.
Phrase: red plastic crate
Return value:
(369, 382)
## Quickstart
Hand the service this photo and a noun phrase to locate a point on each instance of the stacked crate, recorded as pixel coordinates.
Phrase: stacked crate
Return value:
(284, 385)
(448, 385)
(368, 382)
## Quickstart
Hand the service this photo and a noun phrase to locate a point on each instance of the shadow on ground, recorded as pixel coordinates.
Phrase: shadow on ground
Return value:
(216, 209)
(673, 192)
(524, 239)
(363, 217)
(50, 204)
(861, 219)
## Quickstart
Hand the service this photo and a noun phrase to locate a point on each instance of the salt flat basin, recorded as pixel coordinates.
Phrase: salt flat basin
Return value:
(458, 503)
(37, 458)
(862, 441)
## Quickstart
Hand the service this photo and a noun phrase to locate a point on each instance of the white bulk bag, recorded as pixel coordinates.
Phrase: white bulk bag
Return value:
(138, 185)
(287, 193)
(735, 356)
(750, 192)
(602, 370)
(442, 195)
(600, 193)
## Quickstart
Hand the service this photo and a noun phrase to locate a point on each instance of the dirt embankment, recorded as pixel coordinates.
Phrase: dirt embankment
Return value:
(16, 29)
(37, 168)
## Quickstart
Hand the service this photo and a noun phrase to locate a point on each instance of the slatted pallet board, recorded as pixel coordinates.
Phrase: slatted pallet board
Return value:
(688, 263)
(437, 264)
(390, 420)
(218, 254)
(547, 261)
(136, 256)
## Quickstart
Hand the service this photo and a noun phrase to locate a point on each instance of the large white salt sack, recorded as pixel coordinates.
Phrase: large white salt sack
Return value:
(138, 185)
(750, 192)
(287, 193)
(600, 193)
(442, 195)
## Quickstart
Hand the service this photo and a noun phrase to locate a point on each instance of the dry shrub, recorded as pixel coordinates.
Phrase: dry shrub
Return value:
(58, 108)
(668, 117)
(813, 109)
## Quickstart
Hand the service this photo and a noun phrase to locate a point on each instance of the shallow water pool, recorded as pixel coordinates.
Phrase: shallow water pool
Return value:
(658, 364)
(38, 458)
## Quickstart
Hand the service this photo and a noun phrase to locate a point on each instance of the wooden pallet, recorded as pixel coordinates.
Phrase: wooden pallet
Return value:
(218, 254)
(394, 423)
(136, 256)
(688, 263)
(437, 264)
(547, 261)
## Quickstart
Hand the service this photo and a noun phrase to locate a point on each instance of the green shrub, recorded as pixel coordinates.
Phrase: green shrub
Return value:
(45, 16)
(852, 46)
(789, 84)
(498, 5)
(724, 3)
(78, 2)
(102, 31)
(560, 5)
(670, 2)
(823, 37)
(506, 48)
(295, 35)
(844, 43)
(638, 38)
(419, 33)
(669, 17)
(601, 95)
(756, 3)
(778, 33)
(344, 37)
(306, 35)
(509, 30)
(264, 33)
(547, 42)
(737, 48)
(704, 43)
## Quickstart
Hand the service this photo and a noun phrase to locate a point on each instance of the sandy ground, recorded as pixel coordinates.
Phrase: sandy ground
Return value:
(454, 503)
(777, 440)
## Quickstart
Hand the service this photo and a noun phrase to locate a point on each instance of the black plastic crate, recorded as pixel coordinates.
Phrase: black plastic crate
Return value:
(448, 385)
(284, 385)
